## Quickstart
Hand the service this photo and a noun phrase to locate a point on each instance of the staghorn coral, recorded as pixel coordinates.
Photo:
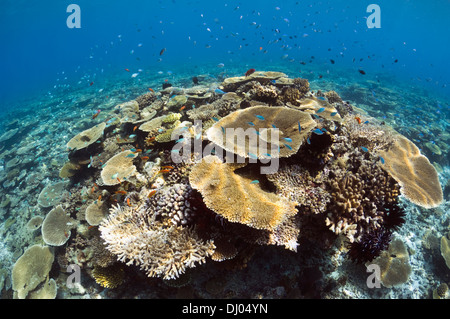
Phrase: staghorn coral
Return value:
(31, 269)
(417, 177)
(276, 128)
(118, 168)
(134, 235)
(236, 198)
(87, 137)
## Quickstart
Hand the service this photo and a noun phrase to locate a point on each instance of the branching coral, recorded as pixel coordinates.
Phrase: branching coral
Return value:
(135, 237)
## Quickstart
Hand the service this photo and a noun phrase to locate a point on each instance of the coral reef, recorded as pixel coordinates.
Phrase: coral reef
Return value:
(129, 208)
(31, 269)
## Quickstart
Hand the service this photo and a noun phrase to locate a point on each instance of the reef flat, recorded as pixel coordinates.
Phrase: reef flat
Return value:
(141, 194)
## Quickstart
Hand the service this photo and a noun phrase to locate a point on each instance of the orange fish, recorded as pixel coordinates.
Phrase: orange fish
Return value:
(134, 128)
(260, 48)
(182, 108)
(163, 171)
(128, 202)
(152, 193)
(167, 167)
(358, 119)
(96, 114)
(151, 90)
(90, 227)
(121, 192)
(127, 70)
(145, 158)
(99, 198)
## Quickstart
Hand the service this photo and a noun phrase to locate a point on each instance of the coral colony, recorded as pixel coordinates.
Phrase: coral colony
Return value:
(179, 178)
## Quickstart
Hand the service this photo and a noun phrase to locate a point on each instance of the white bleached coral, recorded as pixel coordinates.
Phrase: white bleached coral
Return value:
(135, 237)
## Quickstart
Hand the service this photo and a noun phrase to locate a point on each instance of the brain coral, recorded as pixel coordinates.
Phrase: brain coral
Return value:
(236, 198)
(257, 124)
(31, 269)
(56, 227)
(135, 237)
(417, 177)
(87, 137)
(118, 168)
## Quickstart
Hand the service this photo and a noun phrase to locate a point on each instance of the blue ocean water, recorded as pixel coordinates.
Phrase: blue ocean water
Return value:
(41, 52)
(53, 75)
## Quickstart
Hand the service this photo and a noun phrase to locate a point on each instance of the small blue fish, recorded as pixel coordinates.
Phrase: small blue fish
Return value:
(299, 127)
(219, 91)
(260, 117)
(180, 140)
(317, 117)
(321, 98)
(130, 155)
(308, 141)
(288, 146)
(318, 131)
(132, 136)
(273, 81)
(223, 129)
(254, 182)
(381, 160)
(252, 155)
(251, 123)
(193, 106)
(287, 139)
(366, 122)
(115, 176)
(333, 113)
(364, 149)
(147, 151)
(133, 150)
(320, 110)
(268, 155)
(273, 125)
(215, 119)
(323, 129)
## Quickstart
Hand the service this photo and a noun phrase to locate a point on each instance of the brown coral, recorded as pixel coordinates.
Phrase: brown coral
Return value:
(246, 132)
(87, 137)
(418, 179)
(56, 227)
(236, 198)
(118, 168)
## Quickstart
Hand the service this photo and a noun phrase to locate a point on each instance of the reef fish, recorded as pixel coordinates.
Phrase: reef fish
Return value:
(333, 113)
(96, 114)
(288, 139)
(288, 146)
(249, 72)
(320, 110)
(254, 181)
(381, 160)
(162, 51)
(219, 91)
(364, 149)
(318, 131)
(260, 117)
(299, 127)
